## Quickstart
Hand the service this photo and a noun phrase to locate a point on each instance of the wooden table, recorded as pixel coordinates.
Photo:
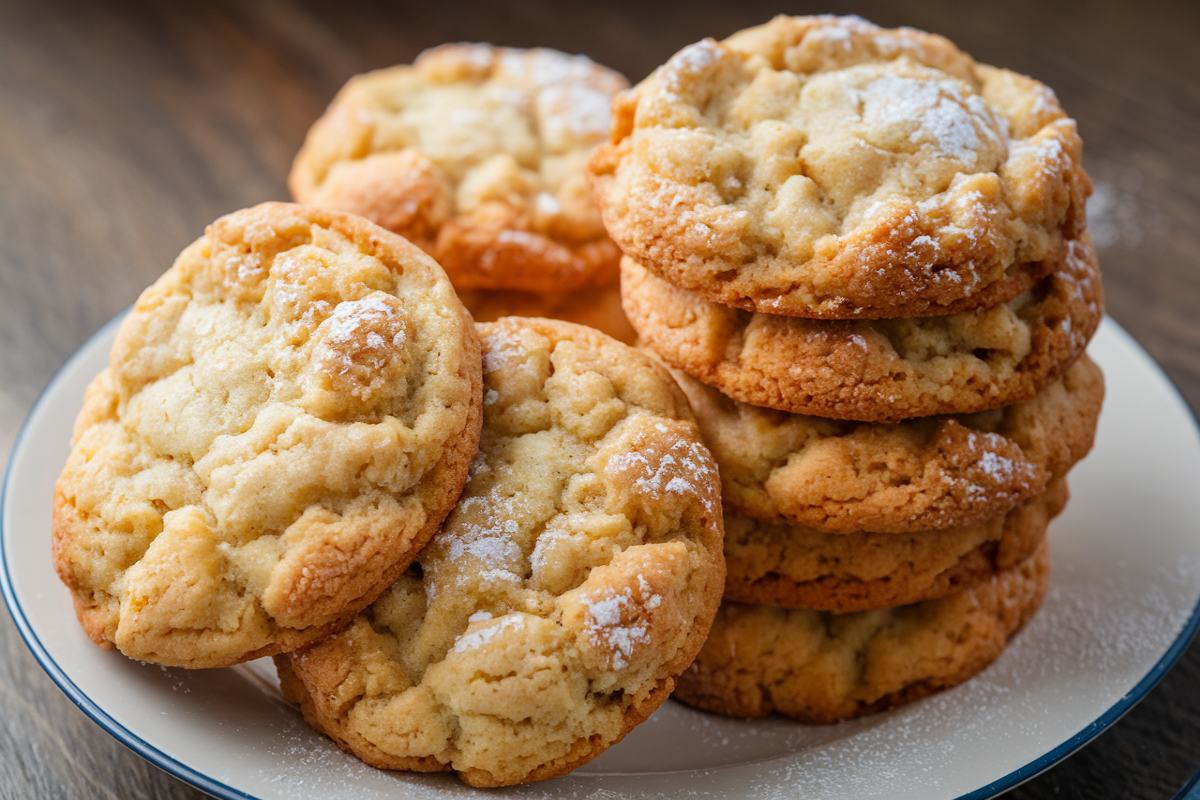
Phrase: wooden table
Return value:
(123, 131)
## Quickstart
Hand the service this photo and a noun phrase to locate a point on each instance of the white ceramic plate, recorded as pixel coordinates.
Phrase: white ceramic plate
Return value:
(1121, 609)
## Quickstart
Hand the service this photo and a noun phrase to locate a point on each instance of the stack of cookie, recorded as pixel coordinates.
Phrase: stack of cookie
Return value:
(866, 257)
(477, 154)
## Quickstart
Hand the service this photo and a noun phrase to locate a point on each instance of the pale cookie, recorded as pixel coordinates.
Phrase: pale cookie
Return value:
(576, 578)
(477, 154)
(875, 370)
(825, 167)
(598, 308)
(925, 472)
(779, 563)
(288, 414)
(817, 666)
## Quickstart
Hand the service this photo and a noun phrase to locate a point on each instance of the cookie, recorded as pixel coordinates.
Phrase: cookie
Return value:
(816, 666)
(779, 563)
(576, 578)
(477, 154)
(599, 308)
(875, 370)
(288, 414)
(927, 472)
(825, 167)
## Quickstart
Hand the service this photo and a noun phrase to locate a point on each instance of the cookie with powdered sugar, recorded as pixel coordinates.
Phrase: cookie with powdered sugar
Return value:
(843, 477)
(576, 578)
(477, 154)
(826, 167)
(881, 370)
(288, 414)
(781, 563)
(818, 666)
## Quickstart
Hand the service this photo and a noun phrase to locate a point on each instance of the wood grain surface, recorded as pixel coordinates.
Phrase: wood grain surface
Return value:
(126, 128)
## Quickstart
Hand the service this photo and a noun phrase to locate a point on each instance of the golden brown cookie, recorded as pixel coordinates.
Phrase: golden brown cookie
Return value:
(926, 472)
(477, 154)
(875, 370)
(598, 307)
(779, 563)
(576, 578)
(817, 666)
(287, 416)
(826, 167)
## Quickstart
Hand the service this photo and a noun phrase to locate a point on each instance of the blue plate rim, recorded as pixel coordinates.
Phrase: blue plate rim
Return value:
(223, 791)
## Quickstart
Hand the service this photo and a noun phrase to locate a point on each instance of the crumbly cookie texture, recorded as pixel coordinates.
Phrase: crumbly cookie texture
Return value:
(927, 472)
(598, 308)
(779, 563)
(288, 414)
(576, 578)
(477, 154)
(816, 666)
(875, 370)
(826, 167)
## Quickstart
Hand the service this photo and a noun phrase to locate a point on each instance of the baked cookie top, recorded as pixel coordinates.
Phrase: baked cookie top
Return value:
(576, 578)
(882, 370)
(288, 414)
(817, 666)
(826, 167)
(477, 154)
(926, 472)
(781, 563)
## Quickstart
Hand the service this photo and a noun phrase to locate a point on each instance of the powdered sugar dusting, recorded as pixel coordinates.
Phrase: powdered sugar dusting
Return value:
(588, 110)
(605, 630)
(1119, 216)
(686, 65)
(838, 33)
(843, 32)
(362, 337)
(546, 203)
(685, 469)
(351, 316)
(696, 57)
(248, 267)
(478, 638)
(943, 117)
(1046, 151)
(492, 548)
(289, 296)
(545, 543)
(989, 474)
(544, 67)
(996, 466)
(501, 350)
(571, 93)
(1045, 101)
(476, 554)
(649, 598)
